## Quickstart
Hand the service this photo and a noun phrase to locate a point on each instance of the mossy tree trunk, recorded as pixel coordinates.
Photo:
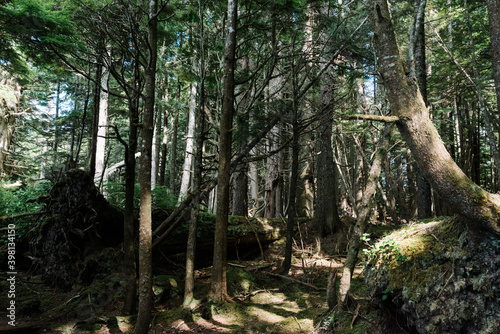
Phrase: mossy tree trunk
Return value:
(462, 195)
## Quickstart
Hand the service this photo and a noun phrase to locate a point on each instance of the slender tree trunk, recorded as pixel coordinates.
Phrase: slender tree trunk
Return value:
(129, 266)
(155, 159)
(326, 212)
(365, 210)
(145, 231)
(56, 125)
(494, 20)
(292, 196)
(219, 284)
(9, 111)
(95, 122)
(488, 118)
(464, 197)
(164, 142)
(102, 124)
(188, 158)
(173, 150)
(197, 172)
(418, 69)
(240, 178)
(254, 186)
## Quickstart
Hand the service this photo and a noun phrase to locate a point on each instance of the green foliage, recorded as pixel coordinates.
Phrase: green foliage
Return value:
(21, 200)
(386, 250)
(116, 194)
(163, 198)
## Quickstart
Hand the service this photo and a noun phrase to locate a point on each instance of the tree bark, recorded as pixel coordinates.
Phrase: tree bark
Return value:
(197, 172)
(326, 211)
(219, 283)
(419, 68)
(102, 124)
(494, 20)
(145, 220)
(129, 260)
(164, 141)
(240, 177)
(188, 158)
(464, 196)
(10, 98)
(292, 195)
(56, 125)
(364, 213)
(488, 118)
(173, 148)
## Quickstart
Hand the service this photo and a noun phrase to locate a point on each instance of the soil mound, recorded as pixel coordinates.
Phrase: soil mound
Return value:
(68, 245)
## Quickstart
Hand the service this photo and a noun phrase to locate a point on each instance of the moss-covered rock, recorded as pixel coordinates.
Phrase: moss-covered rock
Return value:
(442, 277)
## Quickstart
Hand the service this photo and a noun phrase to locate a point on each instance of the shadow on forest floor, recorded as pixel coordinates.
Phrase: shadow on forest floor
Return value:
(264, 302)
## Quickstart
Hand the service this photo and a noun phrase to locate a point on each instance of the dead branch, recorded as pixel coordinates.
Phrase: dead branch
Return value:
(387, 119)
(294, 280)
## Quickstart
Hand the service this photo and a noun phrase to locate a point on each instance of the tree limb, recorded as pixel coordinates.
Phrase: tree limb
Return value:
(387, 119)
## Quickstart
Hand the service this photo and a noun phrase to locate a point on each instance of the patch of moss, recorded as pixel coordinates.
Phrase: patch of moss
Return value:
(239, 281)
(447, 281)
(171, 315)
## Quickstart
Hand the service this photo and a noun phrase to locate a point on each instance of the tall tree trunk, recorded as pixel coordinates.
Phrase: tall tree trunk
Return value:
(102, 124)
(164, 141)
(326, 212)
(418, 69)
(494, 20)
(145, 231)
(129, 259)
(197, 171)
(240, 177)
(188, 158)
(292, 195)
(56, 125)
(95, 122)
(254, 179)
(157, 137)
(173, 148)
(464, 197)
(10, 97)
(219, 283)
(488, 118)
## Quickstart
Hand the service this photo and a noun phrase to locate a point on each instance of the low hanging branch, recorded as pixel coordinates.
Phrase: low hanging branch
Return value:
(377, 118)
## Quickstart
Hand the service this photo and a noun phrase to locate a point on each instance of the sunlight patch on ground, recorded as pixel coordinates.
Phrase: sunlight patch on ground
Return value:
(265, 316)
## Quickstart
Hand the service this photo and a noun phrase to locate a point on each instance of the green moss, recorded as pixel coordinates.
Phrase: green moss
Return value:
(239, 281)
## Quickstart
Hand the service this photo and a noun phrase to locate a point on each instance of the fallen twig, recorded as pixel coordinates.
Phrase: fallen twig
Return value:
(293, 279)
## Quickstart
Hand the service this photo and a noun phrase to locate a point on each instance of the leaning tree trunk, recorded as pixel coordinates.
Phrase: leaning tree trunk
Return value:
(364, 213)
(462, 195)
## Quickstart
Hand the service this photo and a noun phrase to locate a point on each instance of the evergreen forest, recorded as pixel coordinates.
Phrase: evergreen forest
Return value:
(250, 166)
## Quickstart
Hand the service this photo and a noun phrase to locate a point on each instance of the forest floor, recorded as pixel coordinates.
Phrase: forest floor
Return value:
(264, 302)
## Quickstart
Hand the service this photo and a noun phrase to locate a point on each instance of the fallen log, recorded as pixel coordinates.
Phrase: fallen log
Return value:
(243, 232)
